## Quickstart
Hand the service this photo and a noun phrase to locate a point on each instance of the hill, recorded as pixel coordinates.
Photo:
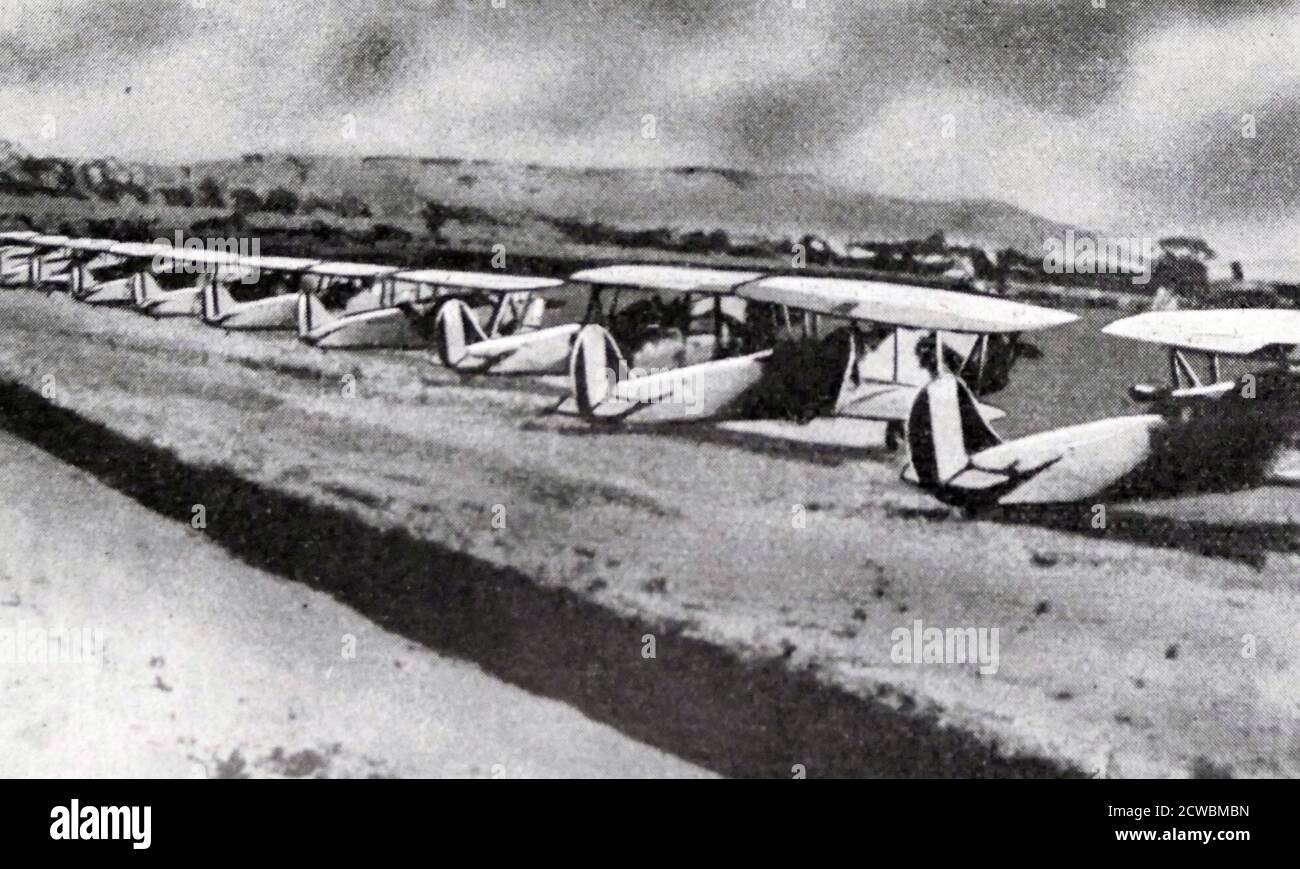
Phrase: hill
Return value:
(543, 204)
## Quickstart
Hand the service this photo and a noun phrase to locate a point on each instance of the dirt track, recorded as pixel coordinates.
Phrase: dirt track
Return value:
(1117, 658)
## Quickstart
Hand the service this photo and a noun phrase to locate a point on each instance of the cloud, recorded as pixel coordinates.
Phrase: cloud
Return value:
(1126, 115)
(52, 42)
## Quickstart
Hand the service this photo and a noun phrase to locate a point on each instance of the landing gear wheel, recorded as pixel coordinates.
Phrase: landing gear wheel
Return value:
(893, 435)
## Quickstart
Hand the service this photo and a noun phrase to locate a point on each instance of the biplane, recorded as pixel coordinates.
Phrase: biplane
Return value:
(96, 275)
(276, 312)
(374, 308)
(808, 348)
(145, 261)
(209, 267)
(47, 262)
(407, 300)
(1207, 434)
(626, 298)
(179, 297)
(14, 253)
(516, 338)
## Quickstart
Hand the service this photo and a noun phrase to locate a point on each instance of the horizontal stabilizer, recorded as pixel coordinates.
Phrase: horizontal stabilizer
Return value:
(890, 402)
(831, 432)
(493, 348)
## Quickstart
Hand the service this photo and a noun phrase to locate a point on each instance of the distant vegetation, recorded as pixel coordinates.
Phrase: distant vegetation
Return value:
(181, 196)
(290, 196)
(245, 201)
(210, 194)
(281, 201)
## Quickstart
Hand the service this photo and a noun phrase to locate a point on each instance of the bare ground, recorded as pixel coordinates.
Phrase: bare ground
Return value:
(212, 668)
(1122, 651)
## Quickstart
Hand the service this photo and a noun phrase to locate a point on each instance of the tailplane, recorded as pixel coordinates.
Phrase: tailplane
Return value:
(595, 367)
(944, 428)
(456, 328)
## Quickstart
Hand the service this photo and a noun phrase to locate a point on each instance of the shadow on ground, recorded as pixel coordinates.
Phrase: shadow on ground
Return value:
(696, 700)
(1249, 543)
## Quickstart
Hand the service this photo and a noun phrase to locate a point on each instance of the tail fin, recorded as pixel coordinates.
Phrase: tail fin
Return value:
(312, 314)
(145, 288)
(1165, 299)
(516, 313)
(456, 328)
(369, 299)
(943, 429)
(595, 367)
(533, 315)
(78, 281)
(216, 299)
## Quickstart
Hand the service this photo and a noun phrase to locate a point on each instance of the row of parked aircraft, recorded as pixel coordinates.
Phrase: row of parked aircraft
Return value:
(669, 344)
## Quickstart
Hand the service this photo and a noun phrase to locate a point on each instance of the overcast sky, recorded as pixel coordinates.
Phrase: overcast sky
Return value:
(1126, 116)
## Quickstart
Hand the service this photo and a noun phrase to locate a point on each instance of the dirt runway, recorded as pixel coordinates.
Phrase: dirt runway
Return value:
(769, 582)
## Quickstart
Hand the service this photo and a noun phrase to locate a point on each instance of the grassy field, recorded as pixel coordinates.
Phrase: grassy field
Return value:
(1121, 651)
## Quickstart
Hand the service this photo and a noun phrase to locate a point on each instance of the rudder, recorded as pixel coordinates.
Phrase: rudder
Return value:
(455, 328)
(595, 366)
(943, 429)
(312, 314)
(145, 288)
(217, 300)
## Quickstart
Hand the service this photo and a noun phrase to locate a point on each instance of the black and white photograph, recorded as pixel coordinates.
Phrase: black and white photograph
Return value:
(651, 389)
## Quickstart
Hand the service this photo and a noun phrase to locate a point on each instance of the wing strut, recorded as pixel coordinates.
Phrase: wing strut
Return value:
(1180, 369)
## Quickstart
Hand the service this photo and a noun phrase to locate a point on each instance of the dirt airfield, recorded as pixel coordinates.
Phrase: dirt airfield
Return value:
(201, 666)
(766, 581)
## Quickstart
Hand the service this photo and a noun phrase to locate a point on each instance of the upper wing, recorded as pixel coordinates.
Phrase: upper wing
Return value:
(673, 279)
(140, 249)
(363, 271)
(92, 245)
(488, 282)
(1233, 332)
(904, 305)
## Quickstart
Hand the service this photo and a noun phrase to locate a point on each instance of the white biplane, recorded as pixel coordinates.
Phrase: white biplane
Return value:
(14, 249)
(627, 299)
(373, 308)
(516, 339)
(96, 274)
(276, 312)
(811, 348)
(181, 296)
(14, 253)
(147, 294)
(406, 302)
(47, 263)
(1208, 436)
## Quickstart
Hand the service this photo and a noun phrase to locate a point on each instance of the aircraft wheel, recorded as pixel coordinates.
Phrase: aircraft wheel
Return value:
(893, 435)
